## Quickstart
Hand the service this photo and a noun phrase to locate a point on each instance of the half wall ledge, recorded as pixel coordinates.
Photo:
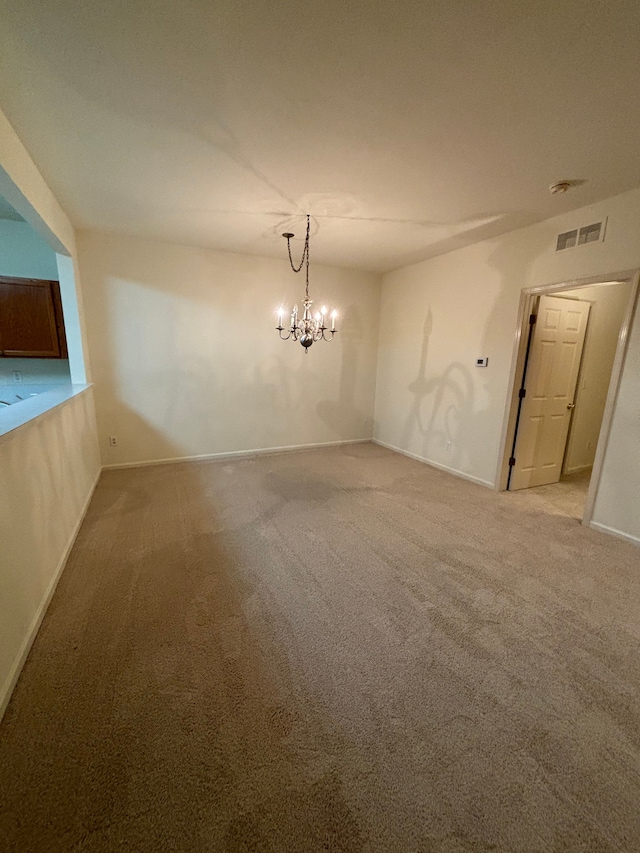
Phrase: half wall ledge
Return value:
(16, 416)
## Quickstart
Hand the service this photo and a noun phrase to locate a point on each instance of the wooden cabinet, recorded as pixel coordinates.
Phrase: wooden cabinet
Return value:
(31, 323)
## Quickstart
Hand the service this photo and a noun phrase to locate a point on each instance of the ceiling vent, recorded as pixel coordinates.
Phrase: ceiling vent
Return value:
(593, 233)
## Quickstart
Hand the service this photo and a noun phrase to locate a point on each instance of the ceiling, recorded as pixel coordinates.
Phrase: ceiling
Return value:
(405, 128)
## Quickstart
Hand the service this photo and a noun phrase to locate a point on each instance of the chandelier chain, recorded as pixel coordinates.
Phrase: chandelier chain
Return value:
(305, 256)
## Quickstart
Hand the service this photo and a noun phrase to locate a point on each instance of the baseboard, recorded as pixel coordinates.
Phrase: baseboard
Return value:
(16, 669)
(578, 469)
(235, 454)
(612, 531)
(437, 465)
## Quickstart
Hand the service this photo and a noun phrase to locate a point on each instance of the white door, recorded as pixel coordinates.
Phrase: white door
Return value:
(550, 385)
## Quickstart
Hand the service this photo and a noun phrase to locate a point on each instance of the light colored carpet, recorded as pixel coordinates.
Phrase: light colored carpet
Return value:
(335, 650)
(568, 497)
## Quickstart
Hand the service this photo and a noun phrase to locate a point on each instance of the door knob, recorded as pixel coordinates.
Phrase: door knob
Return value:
(571, 405)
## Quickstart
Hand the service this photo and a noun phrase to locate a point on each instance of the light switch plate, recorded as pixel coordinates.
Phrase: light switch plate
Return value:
(482, 362)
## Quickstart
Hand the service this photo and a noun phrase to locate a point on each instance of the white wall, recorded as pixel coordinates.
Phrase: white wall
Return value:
(49, 466)
(35, 371)
(24, 253)
(73, 312)
(608, 306)
(439, 315)
(187, 362)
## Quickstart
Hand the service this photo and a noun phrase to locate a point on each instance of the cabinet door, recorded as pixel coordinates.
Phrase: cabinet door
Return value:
(31, 319)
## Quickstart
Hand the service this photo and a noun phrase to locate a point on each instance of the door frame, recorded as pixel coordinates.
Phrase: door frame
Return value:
(528, 296)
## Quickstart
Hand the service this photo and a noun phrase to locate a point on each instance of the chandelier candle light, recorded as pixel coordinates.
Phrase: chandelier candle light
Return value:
(308, 328)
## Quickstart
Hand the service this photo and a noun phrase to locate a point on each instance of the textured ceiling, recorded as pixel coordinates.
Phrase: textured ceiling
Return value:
(405, 128)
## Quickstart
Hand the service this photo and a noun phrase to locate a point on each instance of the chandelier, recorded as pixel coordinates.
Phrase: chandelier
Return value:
(308, 328)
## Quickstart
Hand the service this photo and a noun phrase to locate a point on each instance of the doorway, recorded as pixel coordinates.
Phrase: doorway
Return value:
(568, 357)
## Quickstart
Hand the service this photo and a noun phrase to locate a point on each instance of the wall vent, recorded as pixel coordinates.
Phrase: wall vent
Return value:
(593, 233)
(567, 240)
(590, 233)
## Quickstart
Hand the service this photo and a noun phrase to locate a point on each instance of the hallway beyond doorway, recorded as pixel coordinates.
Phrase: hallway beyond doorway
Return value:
(568, 497)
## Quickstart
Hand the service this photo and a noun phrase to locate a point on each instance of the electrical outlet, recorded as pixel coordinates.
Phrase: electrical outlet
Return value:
(17, 377)
(447, 447)
(113, 441)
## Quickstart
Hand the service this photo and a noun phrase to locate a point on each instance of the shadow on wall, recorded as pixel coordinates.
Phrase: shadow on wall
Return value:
(136, 434)
(229, 399)
(341, 415)
(280, 386)
(461, 403)
(451, 403)
(183, 337)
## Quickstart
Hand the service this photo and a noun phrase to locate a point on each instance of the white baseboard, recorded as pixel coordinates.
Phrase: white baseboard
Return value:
(235, 454)
(613, 531)
(578, 469)
(16, 669)
(437, 465)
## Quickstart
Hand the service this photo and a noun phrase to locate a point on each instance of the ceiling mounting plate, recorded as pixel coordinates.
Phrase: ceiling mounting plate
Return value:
(560, 187)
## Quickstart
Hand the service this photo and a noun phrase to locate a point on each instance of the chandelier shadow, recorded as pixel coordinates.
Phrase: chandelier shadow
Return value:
(308, 328)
